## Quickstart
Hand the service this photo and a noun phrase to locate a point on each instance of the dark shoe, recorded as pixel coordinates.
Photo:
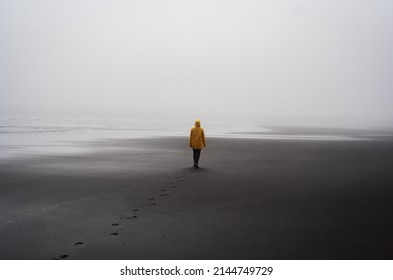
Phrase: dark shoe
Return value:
(196, 166)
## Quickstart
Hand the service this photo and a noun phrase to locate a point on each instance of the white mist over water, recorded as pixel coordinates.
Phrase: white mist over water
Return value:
(284, 62)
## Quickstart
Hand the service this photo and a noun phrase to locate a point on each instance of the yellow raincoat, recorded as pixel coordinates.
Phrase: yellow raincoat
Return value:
(197, 136)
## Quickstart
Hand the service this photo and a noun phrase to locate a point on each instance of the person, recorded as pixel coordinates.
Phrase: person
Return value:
(197, 141)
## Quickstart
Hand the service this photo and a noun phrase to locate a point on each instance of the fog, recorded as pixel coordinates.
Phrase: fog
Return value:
(313, 63)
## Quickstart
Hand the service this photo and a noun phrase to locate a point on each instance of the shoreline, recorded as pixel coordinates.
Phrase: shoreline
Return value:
(35, 139)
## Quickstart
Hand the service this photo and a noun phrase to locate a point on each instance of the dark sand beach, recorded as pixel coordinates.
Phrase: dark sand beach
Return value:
(252, 199)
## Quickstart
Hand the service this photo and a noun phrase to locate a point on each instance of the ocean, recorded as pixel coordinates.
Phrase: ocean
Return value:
(45, 136)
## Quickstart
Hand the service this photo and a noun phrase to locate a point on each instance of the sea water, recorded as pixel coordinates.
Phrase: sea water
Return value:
(24, 136)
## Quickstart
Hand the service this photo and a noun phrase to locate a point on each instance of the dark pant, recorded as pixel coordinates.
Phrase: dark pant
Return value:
(196, 154)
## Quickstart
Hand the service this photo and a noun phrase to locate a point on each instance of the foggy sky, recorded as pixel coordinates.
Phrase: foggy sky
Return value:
(327, 63)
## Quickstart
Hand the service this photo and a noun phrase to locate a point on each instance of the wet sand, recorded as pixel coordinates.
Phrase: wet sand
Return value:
(252, 199)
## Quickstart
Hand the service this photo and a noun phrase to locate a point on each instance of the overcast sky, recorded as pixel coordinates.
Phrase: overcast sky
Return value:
(279, 62)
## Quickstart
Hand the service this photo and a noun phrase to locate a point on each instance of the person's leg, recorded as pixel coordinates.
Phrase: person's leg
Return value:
(197, 154)
(194, 156)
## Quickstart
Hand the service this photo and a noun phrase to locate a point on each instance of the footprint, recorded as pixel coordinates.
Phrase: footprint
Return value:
(135, 210)
(78, 244)
(151, 204)
(163, 194)
(114, 233)
(151, 198)
(163, 190)
(132, 217)
(115, 224)
(62, 257)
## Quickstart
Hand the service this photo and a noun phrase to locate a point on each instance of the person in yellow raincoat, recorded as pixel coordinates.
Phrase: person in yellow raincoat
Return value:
(197, 141)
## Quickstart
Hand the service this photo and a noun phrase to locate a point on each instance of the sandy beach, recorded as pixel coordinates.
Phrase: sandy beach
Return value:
(251, 199)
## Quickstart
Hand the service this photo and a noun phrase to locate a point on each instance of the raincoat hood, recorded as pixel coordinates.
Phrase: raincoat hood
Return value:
(197, 123)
